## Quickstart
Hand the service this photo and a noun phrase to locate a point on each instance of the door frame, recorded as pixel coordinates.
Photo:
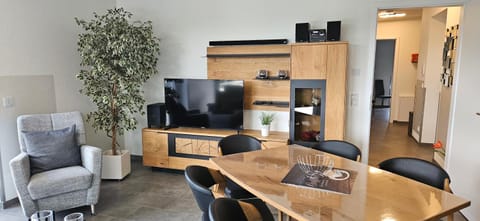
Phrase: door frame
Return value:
(380, 5)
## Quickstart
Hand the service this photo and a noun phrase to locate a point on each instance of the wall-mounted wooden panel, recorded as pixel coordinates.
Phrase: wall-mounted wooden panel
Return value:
(266, 90)
(249, 50)
(245, 68)
(244, 62)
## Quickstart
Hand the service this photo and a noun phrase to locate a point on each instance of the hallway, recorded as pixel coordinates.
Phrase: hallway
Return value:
(392, 140)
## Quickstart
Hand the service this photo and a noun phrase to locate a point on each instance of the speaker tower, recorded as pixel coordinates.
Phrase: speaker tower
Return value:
(302, 32)
(333, 30)
(156, 115)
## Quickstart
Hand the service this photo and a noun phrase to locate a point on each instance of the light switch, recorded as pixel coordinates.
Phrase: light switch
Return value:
(354, 99)
(7, 101)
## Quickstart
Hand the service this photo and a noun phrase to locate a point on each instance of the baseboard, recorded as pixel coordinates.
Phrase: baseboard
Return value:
(8, 203)
(136, 157)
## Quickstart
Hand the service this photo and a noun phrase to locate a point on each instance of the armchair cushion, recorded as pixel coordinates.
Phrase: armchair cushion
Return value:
(58, 181)
(53, 149)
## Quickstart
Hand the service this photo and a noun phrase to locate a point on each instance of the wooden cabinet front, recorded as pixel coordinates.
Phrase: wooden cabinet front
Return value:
(193, 146)
(309, 61)
(200, 147)
(155, 149)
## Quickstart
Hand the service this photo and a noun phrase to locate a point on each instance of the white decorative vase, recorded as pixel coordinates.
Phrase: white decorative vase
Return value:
(115, 166)
(265, 130)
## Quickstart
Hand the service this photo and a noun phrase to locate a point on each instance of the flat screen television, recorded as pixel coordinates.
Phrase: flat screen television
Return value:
(204, 103)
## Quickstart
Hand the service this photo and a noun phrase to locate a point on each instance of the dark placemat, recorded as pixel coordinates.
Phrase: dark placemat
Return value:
(297, 177)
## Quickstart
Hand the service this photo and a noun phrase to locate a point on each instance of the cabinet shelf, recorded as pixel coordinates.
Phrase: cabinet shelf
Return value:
(308, 110)
(272, 103)
(273, 79)
(248, 55)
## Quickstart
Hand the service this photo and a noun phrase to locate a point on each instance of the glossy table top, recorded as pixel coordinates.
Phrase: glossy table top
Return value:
(376, 194)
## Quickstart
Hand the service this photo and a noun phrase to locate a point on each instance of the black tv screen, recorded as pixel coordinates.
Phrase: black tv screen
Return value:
(204, 103)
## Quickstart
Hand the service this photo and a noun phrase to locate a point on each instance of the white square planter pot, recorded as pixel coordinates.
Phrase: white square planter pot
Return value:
(115, 166)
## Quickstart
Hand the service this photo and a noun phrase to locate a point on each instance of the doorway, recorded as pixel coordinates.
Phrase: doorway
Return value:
(384, 66)
(416, 43)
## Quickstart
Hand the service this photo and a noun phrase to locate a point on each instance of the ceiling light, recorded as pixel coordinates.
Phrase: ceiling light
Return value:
(390, 14)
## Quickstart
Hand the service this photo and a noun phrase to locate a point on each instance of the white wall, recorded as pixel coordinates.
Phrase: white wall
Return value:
(40, 39)
(39, 98)
(407, 35)
(463, 137)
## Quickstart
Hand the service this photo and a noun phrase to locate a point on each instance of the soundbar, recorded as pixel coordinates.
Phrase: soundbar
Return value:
(249, 42)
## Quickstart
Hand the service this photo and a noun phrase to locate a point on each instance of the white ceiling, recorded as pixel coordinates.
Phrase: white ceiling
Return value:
(411, 13)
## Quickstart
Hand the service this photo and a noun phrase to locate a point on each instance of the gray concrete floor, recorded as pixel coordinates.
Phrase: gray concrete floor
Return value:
(143, 195)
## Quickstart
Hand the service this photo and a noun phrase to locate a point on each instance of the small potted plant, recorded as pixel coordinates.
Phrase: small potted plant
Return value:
(266, 119)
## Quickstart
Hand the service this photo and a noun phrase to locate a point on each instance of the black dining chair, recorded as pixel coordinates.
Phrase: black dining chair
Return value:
(227, 209)
(239, 143)
(232, 144)
(420, 170)
(340, 148)
(200, 180)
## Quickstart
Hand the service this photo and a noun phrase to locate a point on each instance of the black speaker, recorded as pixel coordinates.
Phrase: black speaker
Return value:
(156, 115)
(302, 32)
(333, 30)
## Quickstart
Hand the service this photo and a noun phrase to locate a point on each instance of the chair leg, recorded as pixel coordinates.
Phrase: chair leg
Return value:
(92, 209)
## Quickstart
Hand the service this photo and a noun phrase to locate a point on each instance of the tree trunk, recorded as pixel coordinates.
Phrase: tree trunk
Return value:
(114, 120)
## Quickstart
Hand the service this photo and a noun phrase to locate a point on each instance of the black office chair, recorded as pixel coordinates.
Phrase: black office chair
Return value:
(420, 170)
(380, 93)
(340, 148)
(226, 209)
(200, 180)
(237, 144)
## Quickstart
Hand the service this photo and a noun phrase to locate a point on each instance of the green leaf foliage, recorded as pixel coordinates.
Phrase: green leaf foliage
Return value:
(266, 118)
(118, 56)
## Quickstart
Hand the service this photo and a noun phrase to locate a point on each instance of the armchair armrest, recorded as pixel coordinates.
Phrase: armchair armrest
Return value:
(92, 161)
(20, 170)
(91, 158)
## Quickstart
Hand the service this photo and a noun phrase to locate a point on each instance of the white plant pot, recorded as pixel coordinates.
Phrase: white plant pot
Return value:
(265, 130)
(115, 166)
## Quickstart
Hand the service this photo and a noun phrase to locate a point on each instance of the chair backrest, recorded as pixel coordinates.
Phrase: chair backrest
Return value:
(417, 169)
(54, 121)
(199, 179)
(239, 143)
(227, 209)
(379, 88)
(339, 148)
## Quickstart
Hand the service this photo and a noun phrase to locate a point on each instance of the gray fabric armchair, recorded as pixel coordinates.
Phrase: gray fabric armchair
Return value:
(60, 188)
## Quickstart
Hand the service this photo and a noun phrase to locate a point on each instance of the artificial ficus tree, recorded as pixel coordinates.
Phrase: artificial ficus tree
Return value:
(117, 57)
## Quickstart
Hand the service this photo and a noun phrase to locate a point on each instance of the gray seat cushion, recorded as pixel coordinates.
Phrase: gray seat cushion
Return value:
(53, 149)
(58, 181)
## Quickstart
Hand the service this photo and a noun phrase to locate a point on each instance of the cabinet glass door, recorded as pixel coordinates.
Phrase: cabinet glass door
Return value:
(307, 111)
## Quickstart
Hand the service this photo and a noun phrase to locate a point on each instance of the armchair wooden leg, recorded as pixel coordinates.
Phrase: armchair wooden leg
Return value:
(92, 209)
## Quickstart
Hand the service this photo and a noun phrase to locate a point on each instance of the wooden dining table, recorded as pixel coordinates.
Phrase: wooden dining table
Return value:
(375, 194)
